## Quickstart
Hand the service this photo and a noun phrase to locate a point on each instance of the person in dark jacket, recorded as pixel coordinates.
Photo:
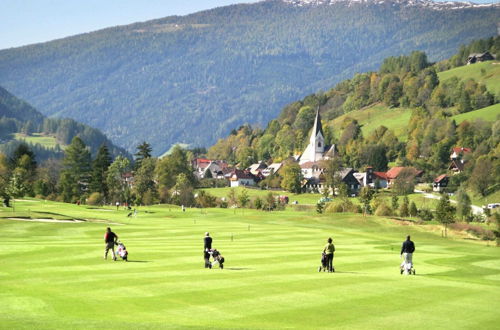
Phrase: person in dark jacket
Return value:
(329, 250)
(407, 250)
(207, 246)
(110, 239)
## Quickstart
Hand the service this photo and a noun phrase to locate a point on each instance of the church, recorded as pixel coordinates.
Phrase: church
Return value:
(316, 150)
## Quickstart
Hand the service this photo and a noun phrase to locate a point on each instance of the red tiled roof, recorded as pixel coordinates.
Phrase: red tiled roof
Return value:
(440, 178)
(394, 172)
(458, 150)
(380, 175)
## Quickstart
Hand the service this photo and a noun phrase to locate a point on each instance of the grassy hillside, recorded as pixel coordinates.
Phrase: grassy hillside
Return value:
(490, 113)
(374, 116)
(487, 73)
(53, 275)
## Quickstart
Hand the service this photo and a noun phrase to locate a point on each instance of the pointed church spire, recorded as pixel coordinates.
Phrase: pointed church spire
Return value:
(317, 128)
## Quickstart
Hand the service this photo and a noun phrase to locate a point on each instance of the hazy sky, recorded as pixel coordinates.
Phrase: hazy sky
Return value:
(25, 22)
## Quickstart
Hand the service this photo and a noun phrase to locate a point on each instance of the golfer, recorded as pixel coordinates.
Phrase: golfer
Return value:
(329, 250)
(407, 252)
(207, 246)
(110, 239)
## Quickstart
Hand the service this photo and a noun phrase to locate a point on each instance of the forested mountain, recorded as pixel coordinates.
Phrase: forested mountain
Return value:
(17, 116)
(193, 78)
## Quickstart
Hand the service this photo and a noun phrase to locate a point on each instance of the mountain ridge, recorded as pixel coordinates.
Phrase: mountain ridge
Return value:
(208, 72)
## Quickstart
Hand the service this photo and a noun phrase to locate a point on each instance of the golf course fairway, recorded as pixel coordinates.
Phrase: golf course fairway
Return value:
(53, 276)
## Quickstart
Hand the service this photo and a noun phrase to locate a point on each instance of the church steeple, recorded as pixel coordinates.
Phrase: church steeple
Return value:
(317, 128)
(316, 147)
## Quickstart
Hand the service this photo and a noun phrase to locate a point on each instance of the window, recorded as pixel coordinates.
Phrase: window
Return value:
(319, 144)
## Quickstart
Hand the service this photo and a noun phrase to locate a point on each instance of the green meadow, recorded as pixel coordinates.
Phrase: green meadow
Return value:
(487, 73)
(490, 113)
(53, 275)
(46, 141)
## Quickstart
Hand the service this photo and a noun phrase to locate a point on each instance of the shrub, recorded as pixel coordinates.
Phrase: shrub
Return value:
(383, 210)
(425, 214)
(257, 203)
(342, 206)
(95, 198)
(222, 204)
(478, 231)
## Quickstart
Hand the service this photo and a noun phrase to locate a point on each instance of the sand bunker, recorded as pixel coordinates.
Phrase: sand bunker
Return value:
(45, 220)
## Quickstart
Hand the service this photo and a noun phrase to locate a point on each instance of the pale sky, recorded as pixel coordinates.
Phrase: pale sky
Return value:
(24, 22)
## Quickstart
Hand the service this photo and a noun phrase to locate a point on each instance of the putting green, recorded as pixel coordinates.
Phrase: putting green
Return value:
(52, 275)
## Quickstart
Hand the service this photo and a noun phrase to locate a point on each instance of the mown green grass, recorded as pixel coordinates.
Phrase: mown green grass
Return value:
(487, 73)
(378, 115)
(252, 193)
(46, 141)
(490, 113)
(52, 275)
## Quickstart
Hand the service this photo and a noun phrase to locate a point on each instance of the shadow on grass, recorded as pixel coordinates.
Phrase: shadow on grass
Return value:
(138, 261)
(237, 268)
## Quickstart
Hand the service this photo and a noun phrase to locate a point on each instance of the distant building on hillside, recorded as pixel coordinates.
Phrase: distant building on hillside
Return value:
(479, 57)
(239, 178)
(440, 183)
(316, 150)
(458, 159)
(395, 172)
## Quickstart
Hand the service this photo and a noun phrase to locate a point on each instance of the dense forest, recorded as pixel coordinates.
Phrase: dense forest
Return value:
(162, 80)
(410, 81)
(17, 116)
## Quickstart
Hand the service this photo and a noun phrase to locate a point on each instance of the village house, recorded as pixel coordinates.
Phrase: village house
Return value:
(479, 57)
(440, 183)
(379, 180)
(395, 172)
(272, 169)
(238, 178)
(202, 166)
(365, 178)
(318, 183)
(257, 167)
(458, 159)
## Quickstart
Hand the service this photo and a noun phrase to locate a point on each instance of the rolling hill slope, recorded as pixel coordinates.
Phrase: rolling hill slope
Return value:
(209, 72)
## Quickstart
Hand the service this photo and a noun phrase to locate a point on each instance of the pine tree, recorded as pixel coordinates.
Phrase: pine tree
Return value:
(100, 167)
(75, 177)
(445, 213)
(143, 151)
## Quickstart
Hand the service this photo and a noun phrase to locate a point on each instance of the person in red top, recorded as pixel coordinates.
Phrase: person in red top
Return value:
(110, 239)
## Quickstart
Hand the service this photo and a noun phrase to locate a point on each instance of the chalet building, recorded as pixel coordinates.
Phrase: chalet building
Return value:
(458, 159)
(440, 183)
(395, 172)
(238, 178)
(316, 150)
(272, 169)
(128, 179)
(318, 184)
(257, 167)
(479, 57)
(459, 152)
(365, 178)
(216, 167)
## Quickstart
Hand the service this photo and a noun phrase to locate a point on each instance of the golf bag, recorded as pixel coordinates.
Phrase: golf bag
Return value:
(122, 251)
